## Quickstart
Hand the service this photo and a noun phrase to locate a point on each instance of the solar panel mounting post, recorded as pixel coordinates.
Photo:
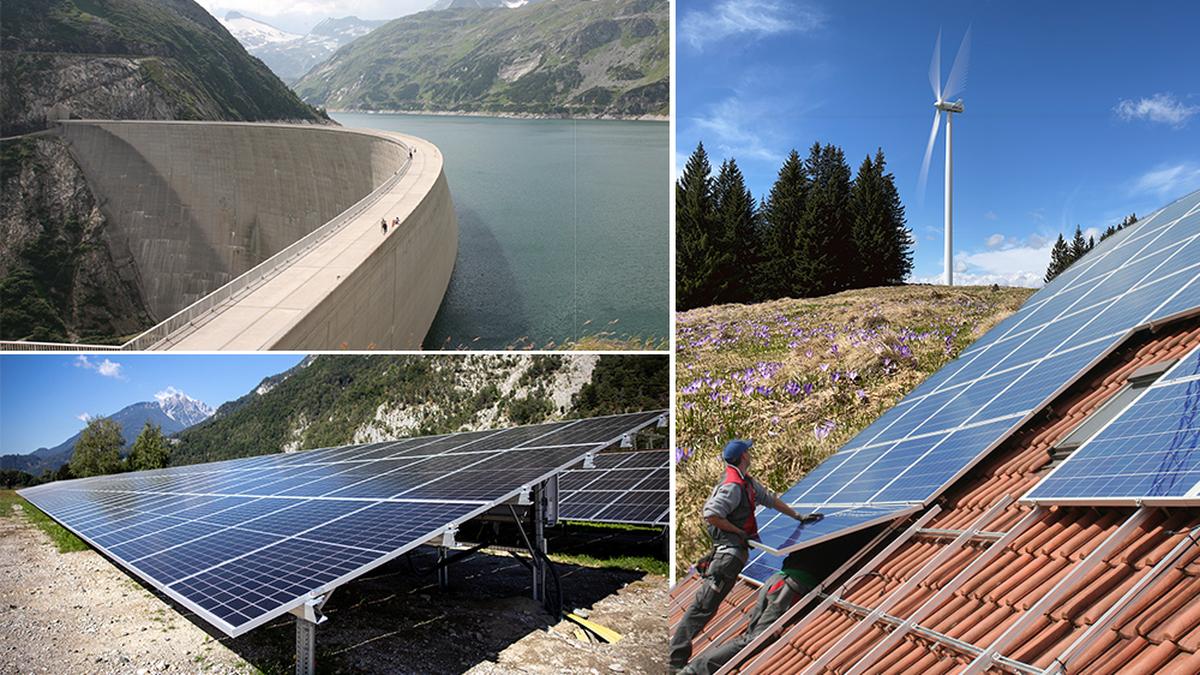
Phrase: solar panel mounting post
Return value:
(443, 569)
(539, 541)
(308, 616)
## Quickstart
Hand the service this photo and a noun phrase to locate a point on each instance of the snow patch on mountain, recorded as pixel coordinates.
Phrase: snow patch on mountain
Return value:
(181, 407)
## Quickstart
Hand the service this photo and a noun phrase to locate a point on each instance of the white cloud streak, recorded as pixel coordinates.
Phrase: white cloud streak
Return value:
(1169, 180)
(104, 367)
(746, 19)
(734, 129)
(1160, 108)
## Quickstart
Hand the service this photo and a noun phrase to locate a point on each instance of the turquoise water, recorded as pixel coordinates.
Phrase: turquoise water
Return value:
(563, 227)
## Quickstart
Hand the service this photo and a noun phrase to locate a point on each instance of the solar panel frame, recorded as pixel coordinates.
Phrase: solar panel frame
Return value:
(1090, 294)
(46, 496)
(643, 500)
(1051, 489)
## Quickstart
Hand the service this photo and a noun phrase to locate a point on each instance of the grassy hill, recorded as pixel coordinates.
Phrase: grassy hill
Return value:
(568, 57)
(801, 377)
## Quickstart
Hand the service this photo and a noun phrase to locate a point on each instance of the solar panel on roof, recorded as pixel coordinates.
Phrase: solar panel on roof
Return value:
(242, 541)
(1148, 272)
(783, 533)
(1150, 452)
(624, 487)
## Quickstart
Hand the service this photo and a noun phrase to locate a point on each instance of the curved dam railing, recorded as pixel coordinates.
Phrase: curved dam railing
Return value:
(254, 236)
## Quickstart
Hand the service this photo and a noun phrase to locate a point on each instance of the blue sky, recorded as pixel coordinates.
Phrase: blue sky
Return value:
(44, 397)
(1076, 113)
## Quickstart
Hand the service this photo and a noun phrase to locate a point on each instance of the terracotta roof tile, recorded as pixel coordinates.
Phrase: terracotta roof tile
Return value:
(1158, 632)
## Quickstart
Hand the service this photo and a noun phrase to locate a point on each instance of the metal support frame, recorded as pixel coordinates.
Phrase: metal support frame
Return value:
(308, 617)
(539, 542)
(1093, 633)
(991, 653)
(941, 638)
(778, 627)
(893, 638)
(443, 568)
(900, 592)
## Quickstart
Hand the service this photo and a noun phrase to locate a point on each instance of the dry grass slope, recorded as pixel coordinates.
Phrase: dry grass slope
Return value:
(801, 377)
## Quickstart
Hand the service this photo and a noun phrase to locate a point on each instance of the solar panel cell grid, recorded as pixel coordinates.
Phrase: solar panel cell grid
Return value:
(1126, 282)
(246, 553)
(624, 487)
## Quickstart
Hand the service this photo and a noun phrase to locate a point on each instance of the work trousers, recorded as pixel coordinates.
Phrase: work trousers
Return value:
(722, 573)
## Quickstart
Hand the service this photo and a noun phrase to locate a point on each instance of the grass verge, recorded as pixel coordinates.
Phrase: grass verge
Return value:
(62, 538)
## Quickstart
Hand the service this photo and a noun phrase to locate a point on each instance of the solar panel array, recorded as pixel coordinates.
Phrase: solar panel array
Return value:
(624, 487)
(1145, 273)
(242, 541)
(1149, 453)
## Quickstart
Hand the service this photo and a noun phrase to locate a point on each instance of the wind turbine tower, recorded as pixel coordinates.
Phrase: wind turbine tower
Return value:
(955, 83)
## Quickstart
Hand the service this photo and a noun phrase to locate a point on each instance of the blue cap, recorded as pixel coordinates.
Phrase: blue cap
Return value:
(735, 449)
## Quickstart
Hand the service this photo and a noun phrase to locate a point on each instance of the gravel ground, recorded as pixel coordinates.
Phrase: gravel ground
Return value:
(76, 612)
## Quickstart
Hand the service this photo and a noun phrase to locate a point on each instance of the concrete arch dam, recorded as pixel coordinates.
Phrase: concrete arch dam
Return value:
(250, 236)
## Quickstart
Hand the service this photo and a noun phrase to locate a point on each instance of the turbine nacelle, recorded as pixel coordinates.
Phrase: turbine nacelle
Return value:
(954, 107)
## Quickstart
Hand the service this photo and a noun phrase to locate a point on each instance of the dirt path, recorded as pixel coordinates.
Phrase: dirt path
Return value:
(76, 612)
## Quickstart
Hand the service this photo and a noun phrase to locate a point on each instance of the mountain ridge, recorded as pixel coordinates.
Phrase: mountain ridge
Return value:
(567, 58)
(172, 409)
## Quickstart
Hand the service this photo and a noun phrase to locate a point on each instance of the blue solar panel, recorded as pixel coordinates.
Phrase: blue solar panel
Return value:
(784, 534)
(1150, 451)
(623, 487)
(242, 541)
(949, 421)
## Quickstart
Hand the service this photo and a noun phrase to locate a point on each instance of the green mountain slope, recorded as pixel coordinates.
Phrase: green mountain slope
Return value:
(332, 400)
(563, 57)
(137, 59)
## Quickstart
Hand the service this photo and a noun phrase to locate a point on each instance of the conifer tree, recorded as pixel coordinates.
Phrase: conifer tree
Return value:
(735, 236)
(1078, 246)
(882, 242)
(694, 257)
(824, 252)
(1059, 259)
(781, 216)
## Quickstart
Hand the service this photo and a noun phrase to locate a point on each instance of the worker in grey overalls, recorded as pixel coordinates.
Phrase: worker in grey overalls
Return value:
(729, 513)
(776, 596)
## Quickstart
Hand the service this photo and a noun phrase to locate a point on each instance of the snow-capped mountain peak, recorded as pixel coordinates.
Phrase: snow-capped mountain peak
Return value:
(181, 407)
(253, 33)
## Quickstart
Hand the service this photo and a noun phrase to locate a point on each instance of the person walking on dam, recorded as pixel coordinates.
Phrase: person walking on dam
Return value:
(383, 224)
(776, 596)
(729, 513)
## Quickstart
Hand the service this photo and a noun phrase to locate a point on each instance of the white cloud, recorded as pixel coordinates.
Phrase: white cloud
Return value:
(749, 18)
(1168, 180)
(84, 417)
(1008, 262)
(1160, 108)
(301, 15)
(104, 367)
(734, 129)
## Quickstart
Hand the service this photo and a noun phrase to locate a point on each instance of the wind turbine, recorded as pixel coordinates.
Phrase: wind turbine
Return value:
(955, 83)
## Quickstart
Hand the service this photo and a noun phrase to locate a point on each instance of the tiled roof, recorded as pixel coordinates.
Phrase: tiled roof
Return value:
(1158, 630)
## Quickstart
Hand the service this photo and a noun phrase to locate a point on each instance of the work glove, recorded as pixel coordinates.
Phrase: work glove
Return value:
(810, 518)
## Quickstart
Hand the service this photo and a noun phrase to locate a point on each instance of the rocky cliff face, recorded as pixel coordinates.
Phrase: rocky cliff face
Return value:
(40, 88)
(59, 278)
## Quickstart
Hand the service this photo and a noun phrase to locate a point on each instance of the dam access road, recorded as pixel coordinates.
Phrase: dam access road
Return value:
(255, 236)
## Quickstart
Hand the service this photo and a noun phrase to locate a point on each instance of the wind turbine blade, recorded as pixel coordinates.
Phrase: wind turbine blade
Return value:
(957, 81)
(928, 154)
(935, 69)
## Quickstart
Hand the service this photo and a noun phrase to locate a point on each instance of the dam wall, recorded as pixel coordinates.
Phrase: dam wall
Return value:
(193, 205)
